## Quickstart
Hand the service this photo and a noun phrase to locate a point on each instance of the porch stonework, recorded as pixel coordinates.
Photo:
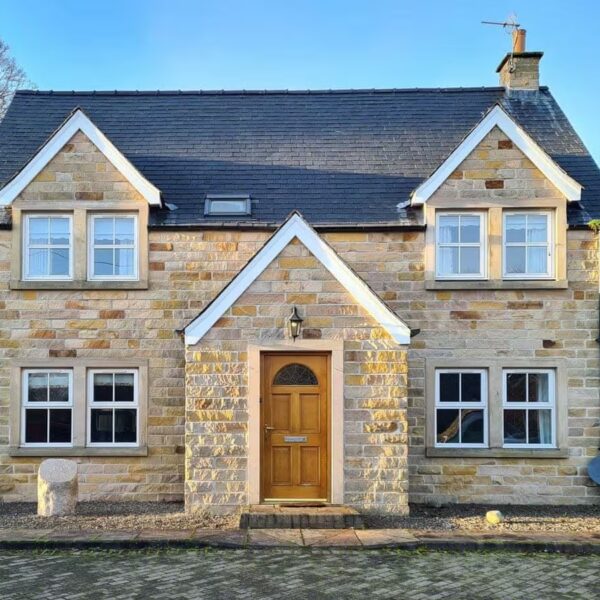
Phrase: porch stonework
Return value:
(375, 468)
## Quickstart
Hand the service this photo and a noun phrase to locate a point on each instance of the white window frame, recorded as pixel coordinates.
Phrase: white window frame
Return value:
(483, 266)
(25, 404)
(549, 244)
(92, 247)
(112, 405)
(26, 247)
(482, 405)
(527, 406)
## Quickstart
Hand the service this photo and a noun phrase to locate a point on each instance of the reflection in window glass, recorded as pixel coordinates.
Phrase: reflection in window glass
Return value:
(48, 247)
(461, 408)
(459, 241)
(223, 205)
(527, 249)
(449, 387)
(529, 405)
(101, 426)
(113, 408)
(114, 251)
(47, 407)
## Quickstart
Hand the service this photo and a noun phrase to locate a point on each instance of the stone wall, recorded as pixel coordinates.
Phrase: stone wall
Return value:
(81, 173)
(187, 269)
(517, 324)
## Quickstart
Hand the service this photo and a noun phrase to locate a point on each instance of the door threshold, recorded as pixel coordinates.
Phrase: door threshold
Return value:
(313, 504)
(296, 501)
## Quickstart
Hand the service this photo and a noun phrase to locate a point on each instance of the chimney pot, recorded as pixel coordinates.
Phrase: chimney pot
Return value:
(519, 36)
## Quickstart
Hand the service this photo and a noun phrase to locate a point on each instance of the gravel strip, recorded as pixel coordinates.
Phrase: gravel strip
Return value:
(171, 515)
(471, 517)
(114, 515)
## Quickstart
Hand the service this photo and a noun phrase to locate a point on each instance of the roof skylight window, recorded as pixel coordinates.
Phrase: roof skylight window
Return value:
(227, 204)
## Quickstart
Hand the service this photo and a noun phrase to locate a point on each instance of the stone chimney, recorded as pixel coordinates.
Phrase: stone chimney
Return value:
(520, 70)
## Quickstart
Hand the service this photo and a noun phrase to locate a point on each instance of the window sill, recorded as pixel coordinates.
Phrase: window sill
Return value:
(67, 452)
(496, 284)
(78, 285)
(496, 453)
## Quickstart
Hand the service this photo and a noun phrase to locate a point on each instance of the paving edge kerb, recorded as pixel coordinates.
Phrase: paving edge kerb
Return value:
(347, 539)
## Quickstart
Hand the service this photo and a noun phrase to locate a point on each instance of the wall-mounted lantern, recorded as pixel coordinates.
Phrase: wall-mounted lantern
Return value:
(295, 323)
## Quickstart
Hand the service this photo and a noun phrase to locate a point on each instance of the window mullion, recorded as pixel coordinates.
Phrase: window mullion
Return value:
(460, 441)
(114, 416)
(48, 410)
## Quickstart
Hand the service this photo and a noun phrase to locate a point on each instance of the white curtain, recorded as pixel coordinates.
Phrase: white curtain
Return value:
(537, 259)
(545, 426)
(448, 230)
(544, 417)
(448, 260)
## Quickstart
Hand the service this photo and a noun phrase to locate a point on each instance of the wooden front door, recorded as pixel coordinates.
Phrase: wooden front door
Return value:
(295, 425)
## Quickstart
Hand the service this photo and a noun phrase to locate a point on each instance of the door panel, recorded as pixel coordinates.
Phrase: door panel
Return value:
(281, 411)
(282, 465)
(310, 416)
(294, 420)
(309, 465)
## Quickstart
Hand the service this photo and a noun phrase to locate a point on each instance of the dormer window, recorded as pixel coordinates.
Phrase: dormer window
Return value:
(528, 246)
(227, 205)
(460, 245)
(113, 244)
(48, 251)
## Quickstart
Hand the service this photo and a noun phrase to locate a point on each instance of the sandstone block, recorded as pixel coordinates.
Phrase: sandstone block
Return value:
(57, 487)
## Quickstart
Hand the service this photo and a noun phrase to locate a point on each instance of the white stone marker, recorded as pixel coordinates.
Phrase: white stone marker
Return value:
(494, 517)
(57, 487)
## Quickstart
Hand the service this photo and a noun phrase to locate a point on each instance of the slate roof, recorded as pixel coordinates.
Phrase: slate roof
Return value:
(342, 158)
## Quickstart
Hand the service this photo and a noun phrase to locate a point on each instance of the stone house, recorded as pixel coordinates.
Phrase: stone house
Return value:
(432, 243)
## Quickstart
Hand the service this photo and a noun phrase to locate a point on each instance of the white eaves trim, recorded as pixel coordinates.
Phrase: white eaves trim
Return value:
(497, 117)
(78, 121)
(297, 227)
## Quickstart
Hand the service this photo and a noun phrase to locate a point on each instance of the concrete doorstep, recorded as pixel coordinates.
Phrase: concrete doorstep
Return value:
(294, 538)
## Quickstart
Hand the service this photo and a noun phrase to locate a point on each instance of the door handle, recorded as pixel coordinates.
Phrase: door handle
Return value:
(268, 428)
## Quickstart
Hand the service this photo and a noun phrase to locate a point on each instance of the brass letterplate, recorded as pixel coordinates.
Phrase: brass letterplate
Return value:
(294, 438)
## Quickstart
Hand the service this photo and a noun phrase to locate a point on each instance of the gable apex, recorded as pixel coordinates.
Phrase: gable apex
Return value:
(498, 117)
(78, 121)
(297, 228)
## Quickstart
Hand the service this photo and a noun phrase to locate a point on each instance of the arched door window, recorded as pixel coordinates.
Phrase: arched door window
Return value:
(295, 374)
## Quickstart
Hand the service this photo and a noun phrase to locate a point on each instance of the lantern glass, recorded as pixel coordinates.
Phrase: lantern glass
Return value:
(295, 323)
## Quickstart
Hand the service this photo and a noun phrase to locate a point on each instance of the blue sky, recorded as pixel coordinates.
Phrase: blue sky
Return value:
(237, 44)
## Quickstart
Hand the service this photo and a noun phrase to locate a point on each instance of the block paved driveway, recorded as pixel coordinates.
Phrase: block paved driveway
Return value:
(293, 574)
